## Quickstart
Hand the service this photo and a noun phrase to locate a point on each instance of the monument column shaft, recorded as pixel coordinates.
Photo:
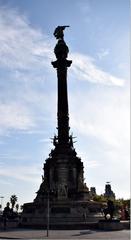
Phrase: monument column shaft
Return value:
(62, 114)
(61, 64)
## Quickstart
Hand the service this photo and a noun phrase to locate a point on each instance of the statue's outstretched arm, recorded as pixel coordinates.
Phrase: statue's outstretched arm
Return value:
(58, 33)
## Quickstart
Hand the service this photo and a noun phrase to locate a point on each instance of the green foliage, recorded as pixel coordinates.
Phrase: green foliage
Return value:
(13, 200)
(99, 198)
(121, 202)
(17, 207)
(117, 202)
(127, 202)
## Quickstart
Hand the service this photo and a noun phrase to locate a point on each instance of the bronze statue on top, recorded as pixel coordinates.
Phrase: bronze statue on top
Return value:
(58, 33)
(61, 50)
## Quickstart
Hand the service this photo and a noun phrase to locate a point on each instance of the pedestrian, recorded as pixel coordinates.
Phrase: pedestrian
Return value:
(6, 214)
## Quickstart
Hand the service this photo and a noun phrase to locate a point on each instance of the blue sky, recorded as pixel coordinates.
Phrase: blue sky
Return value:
(98, 84)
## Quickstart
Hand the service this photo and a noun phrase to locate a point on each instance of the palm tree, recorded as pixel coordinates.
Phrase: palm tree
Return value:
(13, 200)
(17, 207)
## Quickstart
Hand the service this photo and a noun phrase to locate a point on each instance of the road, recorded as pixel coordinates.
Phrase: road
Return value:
(65, 234)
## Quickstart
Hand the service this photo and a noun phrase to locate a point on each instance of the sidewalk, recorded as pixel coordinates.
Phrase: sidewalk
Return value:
(64, 234)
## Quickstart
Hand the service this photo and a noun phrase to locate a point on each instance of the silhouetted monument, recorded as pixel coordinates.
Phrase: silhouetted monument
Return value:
(63, 181)
(92, 192)
(108, 191)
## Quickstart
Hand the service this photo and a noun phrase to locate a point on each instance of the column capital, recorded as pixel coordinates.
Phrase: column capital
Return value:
(61, 63)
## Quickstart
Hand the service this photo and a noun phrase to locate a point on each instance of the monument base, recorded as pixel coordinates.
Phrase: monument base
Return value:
(62, 214)
(110, 225)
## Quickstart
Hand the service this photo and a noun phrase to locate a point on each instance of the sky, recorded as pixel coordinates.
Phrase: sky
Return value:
(98, 91)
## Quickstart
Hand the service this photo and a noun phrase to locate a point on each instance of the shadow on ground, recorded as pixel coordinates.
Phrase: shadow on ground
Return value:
(83, 233)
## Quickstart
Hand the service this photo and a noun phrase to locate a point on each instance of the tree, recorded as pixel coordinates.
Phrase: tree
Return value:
(21, 207)
(100, 198)
(13, 200)
(17, 207)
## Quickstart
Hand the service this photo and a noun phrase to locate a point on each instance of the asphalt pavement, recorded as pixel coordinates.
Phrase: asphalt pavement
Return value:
(64, 234)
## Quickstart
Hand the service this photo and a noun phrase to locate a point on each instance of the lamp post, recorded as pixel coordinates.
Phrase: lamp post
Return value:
(48, 212)
(49, 194)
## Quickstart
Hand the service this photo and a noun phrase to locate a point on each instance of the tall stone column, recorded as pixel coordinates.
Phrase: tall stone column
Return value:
(61, 64)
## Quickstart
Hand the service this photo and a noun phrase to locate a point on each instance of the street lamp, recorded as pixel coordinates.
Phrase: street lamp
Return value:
(48, 212)
(49, 193)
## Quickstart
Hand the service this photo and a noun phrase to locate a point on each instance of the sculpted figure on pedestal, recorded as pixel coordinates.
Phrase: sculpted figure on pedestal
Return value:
(58, 33)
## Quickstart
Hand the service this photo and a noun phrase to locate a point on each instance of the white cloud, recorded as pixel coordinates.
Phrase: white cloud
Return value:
(84, 6)
(25, 55)
(28, 173)
(102, 119)
(14, 116)
(24, 48)
(45, 140)
(21, 46)
(12, 156)
(105, 116)
(24, 51)
(5, 182)
(103, 53)
(88, 163)
(84, 68)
